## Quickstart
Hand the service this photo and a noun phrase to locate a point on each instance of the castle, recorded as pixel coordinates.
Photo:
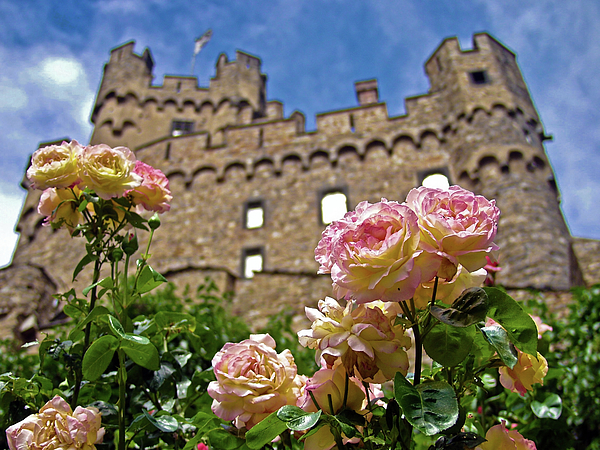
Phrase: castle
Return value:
(250, 186)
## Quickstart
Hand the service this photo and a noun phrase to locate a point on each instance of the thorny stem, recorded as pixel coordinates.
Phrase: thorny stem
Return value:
(314, 400)
(346, 392)
(122, 394)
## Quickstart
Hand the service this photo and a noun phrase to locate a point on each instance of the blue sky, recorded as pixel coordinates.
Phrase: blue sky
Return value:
(52, 53)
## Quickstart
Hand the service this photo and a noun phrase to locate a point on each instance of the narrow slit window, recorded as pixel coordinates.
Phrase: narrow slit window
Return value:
(255, 215)
(333, 206)
(253, 262)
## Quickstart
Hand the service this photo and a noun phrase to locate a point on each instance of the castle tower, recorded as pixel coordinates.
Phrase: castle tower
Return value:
(495, 139)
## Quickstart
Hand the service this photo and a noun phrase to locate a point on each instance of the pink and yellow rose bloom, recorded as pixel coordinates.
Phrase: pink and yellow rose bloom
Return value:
(153, 193)
(55, 166)
(253, 381)
(363, 337)
(60, 207)
(373, 253)
(500, 438)
(108, 171)
(456, 225)
(327, 387)
(528, 371)
(57, 427)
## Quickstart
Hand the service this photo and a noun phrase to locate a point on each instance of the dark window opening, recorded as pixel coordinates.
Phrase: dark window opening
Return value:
(479, 77)
(180, 127)
(168, 151)
(352, 127)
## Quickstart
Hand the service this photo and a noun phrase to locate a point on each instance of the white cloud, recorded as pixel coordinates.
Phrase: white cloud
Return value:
(11, 97)
(11, 202)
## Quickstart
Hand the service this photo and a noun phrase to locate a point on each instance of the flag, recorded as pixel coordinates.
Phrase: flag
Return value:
(202, 41)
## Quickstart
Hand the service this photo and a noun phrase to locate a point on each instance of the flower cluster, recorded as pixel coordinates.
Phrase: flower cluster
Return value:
(387, 250)
(57, 427)
(63, 171)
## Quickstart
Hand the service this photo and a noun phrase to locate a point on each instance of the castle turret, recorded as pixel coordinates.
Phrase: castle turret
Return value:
(495, 139)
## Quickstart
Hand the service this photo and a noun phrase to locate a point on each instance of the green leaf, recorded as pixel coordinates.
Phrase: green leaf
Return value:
(163, 422)
(508, 313)
(98, 356)
(265, 431)
(97, 312)
(550, 408)
(148, 280)
(136, 220)
(105, 283)
(141, 351)
(431, 406)
(116, 327)
(447, 344)
(174, 323)
(471, 307)
(222, 440)
(81, 264)
(498, 338)
(296, 419)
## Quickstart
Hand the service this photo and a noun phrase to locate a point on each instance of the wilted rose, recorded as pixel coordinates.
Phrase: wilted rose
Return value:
(372, 253)
(60, 207)
(449, 290)
(456, 225)
(500, 438)
(365, 338)
(55, 166)
(57, 427)
(108, 171)
(327, 387)
(253, 380)
(528, 371)
(153, 194)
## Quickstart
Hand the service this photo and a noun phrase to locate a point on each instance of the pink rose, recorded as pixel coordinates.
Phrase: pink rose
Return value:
(372, 253)
(57, 427)
(253, 380)
(60, 207)
(456, 225)
(55, 166)
(325, 384)
(365, 338)
(153, 194)
(108, 171)
(499, 438)
(528, 371)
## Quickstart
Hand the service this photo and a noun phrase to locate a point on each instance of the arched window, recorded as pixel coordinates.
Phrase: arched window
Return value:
(334, 204)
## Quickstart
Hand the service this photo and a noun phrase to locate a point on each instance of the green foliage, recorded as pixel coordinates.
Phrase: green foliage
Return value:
(577, 357)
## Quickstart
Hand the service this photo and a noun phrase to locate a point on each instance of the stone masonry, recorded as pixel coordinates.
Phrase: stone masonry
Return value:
(227, 150)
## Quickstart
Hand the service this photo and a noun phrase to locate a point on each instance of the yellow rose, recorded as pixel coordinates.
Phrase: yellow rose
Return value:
(108, 171)
(55, 166)
(528, 371)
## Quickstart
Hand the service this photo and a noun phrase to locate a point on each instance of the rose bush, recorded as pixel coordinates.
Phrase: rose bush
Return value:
(456, 225)
(57, 427)
(373, 253)
(364, 337)
(55, 166)
(253, 380)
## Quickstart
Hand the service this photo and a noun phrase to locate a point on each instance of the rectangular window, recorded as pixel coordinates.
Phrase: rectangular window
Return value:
(180, 127)
(334, 204)
(254, 215)
(479, 77)
(252, 261)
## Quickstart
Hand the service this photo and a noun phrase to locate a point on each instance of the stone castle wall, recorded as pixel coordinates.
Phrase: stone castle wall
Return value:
(477, 125)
